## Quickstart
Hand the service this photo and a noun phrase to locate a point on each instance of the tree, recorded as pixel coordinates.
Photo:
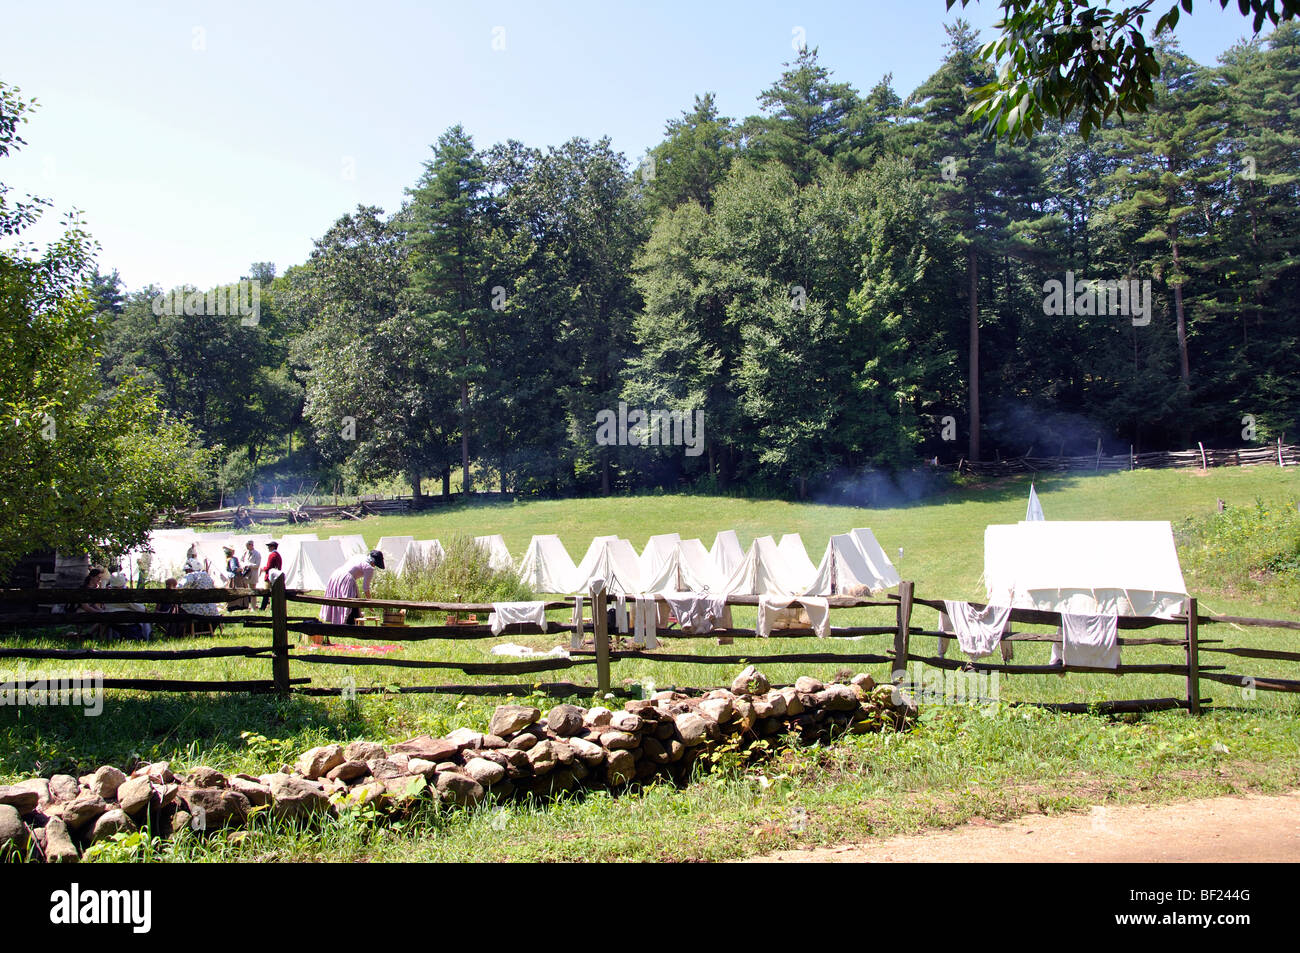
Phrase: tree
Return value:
(693, 158)
(1079, 59)
(79, 472)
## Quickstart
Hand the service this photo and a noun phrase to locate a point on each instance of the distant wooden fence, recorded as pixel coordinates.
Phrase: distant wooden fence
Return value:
(287, 512)
(1201, 458)
(609, 649)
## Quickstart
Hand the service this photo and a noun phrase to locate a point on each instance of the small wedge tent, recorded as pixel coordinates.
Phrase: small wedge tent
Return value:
(498, 555)
(658, 552)
(763, 571)
(875, 556)
(613, 560)
(845, 571)
(796, 558)
(1098, 567)
(354, 544)
(1034, 511)
(547, 566)
(394, 549)
(726, 552)
(312, 564)
(688, 568)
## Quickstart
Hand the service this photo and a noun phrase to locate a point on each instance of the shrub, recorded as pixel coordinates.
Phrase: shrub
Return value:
(1244, 546)
(463, 574)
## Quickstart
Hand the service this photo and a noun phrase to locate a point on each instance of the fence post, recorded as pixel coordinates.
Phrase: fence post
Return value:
(279, 637)
(901, 637)
(600, 626)
(1193, 662)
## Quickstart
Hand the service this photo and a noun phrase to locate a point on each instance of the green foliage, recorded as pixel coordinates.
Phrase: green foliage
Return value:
(1245, 548)
(463, 574)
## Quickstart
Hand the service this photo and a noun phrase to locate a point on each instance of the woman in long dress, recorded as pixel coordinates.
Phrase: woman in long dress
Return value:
(343, 585)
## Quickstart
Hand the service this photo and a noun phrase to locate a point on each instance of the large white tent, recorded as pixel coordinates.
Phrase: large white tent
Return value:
(498, 555)
(547, 566)
(658, 552)
(313, 562)
(687, 568)
(763, 571)
(882, 569)
(1099, 567)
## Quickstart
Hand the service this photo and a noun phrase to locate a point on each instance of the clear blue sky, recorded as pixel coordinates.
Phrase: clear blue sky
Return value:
(199, 137)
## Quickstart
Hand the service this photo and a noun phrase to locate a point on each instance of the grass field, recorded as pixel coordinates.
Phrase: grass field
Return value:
(961, 761)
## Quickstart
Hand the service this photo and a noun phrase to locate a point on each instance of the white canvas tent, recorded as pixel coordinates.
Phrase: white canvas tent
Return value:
(166, 553)
(727, 553)
(547, 566)
(874, 554)
(354, 544)
(1098, 567)
(613, 560)
(658, 552)
(688, 568)
(498, 555)
(394, 550)
(313, 562)
(844, 570)
(763, 571)
(796, 559)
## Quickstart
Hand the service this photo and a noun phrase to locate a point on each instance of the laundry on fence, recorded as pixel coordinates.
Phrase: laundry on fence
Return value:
(697, 612)
(817, 609)
(516, 613)
(978, 631)
(1091, 641)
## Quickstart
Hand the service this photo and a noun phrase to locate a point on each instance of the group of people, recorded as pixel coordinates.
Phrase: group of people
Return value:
(246, 570)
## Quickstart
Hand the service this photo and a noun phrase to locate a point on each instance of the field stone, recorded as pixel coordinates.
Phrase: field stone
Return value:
(110, 823)
(655, 751)
(64, 787)
(522, 742)
(626, 721)
(564, 753)
(675, 750)
(793, 703)
(665, 730)
(463, 739)
(694, 728)
(721, 710)
(492, 742)
(565, 720)
(13, 832)
(317, 762)
(771, 705)
(59, 848)
(837, 698)
(220, 807)
(621, 767)
(507, 719)
(745, 716)
(182, 820)
(40, 785)
(22, 800)
(542, 757)
(805, 685)
(205, 778)
(618, 740)
(82, 810)
(595, 717)
(161, 772)
(385, 768)
(364, 751)
(750, 682)
(485, 772)
(864, 681)
(459, 789)
(134, 794)
(348, 771)
(105, 781)
(517, 763)
(589, 752)
(422, 767)
(257, 792)
(296, 797)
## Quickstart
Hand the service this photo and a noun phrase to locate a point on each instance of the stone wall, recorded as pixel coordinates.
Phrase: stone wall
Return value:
(523, 753)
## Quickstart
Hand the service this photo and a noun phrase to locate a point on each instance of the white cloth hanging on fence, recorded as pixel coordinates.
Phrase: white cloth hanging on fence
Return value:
(978, 631)
(818, 609)
(696, 612)
(575, 640)
(1091, 641)
(645, 618)
(516, 613)
(620, 613)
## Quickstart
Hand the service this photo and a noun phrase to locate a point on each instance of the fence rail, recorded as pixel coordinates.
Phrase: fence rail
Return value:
(607, 649)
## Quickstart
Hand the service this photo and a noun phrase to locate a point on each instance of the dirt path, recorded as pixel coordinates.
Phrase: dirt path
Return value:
(1250, 828)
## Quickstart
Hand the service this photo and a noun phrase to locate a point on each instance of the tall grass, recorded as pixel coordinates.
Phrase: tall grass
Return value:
(462, 574)
(1246, 549)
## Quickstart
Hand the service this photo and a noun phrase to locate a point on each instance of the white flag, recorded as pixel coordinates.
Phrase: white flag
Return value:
(1035, 510)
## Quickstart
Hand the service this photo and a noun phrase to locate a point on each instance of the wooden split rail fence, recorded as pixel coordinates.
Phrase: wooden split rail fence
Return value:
(607, 649)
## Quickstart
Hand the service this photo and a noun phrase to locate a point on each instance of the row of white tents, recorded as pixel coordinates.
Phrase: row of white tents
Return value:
(853, 563)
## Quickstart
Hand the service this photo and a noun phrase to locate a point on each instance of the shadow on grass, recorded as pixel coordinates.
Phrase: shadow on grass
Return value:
(45, 740)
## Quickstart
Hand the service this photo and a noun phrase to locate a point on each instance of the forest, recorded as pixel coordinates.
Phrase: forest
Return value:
(844, 283)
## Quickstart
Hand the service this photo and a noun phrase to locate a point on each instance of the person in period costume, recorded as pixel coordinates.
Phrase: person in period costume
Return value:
(343, 585)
